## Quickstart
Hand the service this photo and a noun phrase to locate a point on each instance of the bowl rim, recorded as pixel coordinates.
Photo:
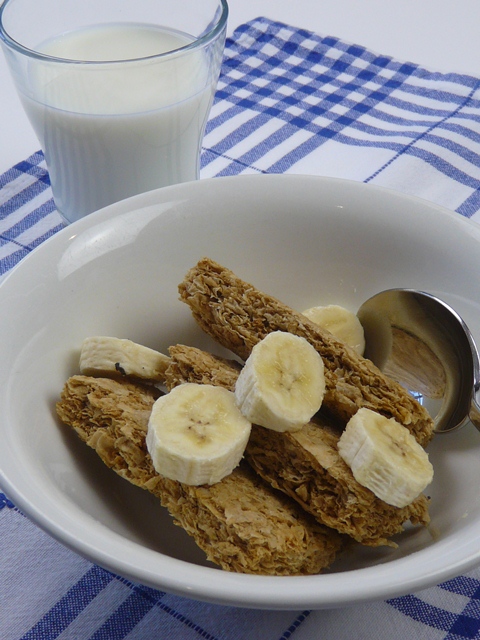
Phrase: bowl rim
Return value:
(182, 578)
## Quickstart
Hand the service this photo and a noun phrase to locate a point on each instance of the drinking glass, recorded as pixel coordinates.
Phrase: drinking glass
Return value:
(118, 92)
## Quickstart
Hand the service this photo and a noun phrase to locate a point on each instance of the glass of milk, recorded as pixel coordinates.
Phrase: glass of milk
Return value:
(117, 91)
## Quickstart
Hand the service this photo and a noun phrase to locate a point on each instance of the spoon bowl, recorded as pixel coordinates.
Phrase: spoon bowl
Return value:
(422, 343)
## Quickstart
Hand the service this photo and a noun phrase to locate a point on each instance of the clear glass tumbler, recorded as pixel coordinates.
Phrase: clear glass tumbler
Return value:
(118, 92)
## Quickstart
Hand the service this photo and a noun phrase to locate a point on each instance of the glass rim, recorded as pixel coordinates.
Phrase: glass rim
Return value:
(207, 37)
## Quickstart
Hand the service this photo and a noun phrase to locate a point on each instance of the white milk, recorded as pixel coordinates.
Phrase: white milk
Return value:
(112, 130)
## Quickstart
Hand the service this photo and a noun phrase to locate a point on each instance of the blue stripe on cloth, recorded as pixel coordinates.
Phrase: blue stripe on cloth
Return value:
(126, 617)
(463, 585)
(236, 166)
(464, 624)
(18, 250)
(335, 90)
(70, 606)
(5, 502)
(312, 83)
(471, 205)
(299, 620)
(25, 194)
(29, 166)
(13, 258)
(28, 221)
(421, 611)
(27, 186)
(136, 606)
(198, 629)
(475, 158)
(119, 625)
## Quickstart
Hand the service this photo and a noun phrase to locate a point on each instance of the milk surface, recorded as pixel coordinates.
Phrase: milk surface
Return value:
(112, 130)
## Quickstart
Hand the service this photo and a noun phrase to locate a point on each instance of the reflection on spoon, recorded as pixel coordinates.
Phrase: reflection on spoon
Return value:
(422, 343)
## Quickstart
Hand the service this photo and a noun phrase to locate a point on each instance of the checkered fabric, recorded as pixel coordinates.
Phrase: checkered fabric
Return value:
(287, 101)
(291, 101)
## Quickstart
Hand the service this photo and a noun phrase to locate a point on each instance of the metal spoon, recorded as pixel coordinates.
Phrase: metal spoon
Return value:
(422, 343)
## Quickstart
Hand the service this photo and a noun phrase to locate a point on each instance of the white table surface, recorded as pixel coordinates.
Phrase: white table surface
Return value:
(440, 35)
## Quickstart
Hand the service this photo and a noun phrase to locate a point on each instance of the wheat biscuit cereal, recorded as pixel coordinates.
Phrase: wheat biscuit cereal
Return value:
(238, 316)
(241, 523)
(305, 464)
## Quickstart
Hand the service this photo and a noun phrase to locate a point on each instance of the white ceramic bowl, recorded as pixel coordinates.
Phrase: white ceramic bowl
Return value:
(307, 241)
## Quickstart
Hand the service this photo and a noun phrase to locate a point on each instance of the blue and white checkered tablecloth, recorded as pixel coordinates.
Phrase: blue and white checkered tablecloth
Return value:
(287, 101)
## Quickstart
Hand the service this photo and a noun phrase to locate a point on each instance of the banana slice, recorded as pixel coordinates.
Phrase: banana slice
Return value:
(341, 322)
(282, 383)
(105, 356)
(196, 434)
(385, 457)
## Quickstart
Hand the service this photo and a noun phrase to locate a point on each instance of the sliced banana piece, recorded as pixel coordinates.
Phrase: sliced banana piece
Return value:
(106, 356)
(385, 457)
(196, 434)
(341, 322)
(282, 383)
